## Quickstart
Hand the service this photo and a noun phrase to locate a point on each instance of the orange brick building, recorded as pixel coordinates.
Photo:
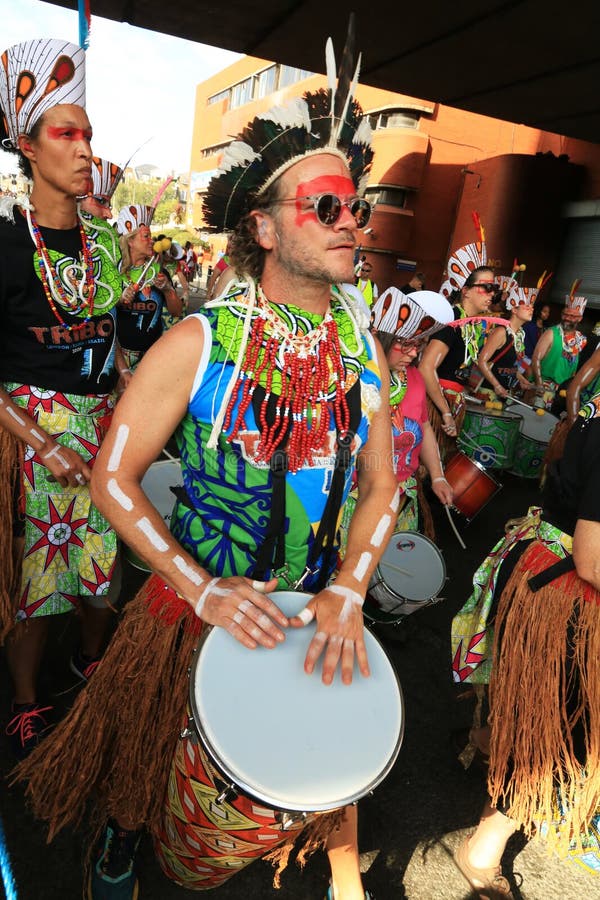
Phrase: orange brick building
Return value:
(534, 191)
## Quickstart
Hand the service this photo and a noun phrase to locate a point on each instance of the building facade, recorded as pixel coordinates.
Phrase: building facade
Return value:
(434, 165)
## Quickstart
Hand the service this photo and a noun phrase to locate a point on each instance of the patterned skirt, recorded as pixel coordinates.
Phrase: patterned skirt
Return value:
(69, 547)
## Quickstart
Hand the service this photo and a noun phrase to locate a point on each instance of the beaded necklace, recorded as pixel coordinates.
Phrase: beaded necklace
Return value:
(398, 385)
(78, 299)
(311, 370)
(147, 273)
(472, 334)
(518, 338)
(571, 347)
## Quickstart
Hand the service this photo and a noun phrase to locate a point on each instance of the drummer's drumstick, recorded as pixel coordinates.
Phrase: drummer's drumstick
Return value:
(454, 529)
(398, 569)
(538, 410)
(470, 399)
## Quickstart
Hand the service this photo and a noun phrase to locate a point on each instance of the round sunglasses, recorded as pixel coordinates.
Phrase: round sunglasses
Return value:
(328, 208)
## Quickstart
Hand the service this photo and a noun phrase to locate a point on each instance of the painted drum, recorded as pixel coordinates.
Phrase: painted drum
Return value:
(156, 484)
(534, 437)
(410, 575)
(472, 484)
(490, 436)
(278, 734)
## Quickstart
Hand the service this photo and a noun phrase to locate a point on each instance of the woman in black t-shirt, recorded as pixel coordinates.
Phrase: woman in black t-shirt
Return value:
(504, 349)
(59, 284)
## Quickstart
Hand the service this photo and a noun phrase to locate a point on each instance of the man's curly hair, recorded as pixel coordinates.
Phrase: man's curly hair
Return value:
(246, 255)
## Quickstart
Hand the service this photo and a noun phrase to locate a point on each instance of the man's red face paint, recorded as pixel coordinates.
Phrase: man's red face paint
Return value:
(66, 133)
(340, 185)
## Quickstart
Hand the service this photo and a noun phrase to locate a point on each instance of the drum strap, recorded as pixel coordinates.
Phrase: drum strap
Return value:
(271, 555)
(554, 571)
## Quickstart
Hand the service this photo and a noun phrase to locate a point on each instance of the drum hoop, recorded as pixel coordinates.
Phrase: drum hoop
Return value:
(250, 790)
(393, 594)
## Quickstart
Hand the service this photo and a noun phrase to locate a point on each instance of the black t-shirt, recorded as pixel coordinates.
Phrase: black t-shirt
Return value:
(35, 348)
(504, 365)
(452, 367)
(140, 325)
(573, 483)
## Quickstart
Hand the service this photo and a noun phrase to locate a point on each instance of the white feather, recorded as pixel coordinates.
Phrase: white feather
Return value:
(351, 91)
(364, 133)
(293, 115)
(236, 154)
(330, 66)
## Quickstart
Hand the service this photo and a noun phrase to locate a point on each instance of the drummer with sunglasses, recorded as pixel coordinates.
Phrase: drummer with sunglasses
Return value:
(449, 356)
(279, 393)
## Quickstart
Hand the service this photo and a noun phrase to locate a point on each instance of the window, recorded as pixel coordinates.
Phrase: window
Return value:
(216, 98)
(216, 148)
(289, 75)
(390, 196)
(266, 82)
(394, 118)
(241, 93)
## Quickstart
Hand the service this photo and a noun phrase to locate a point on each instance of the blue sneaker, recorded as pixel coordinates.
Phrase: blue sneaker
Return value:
(113, 874)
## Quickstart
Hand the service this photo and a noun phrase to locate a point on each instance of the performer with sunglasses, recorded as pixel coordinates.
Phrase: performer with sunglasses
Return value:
(279, 392)
(105, 179)
(447, 360)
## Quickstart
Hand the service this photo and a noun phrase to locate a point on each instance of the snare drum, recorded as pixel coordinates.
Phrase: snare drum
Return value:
(281, 736)
(490, 437)
(156, 484)
(410, 575)
(472, 484)
(532, 443)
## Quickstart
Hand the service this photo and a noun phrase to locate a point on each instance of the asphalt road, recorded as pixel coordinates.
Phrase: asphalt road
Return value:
(411, 824)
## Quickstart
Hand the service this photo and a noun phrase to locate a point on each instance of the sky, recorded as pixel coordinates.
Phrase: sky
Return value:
(140, 84)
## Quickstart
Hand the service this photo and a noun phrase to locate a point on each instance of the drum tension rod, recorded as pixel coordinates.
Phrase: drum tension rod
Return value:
(288, 820)
(228, 794)
(189, 732)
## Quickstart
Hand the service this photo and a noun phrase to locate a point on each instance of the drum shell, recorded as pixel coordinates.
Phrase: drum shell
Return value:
(392, 594)
(237, 694)
(532, 443)
(156, 484)
(473, 485)
(489, 437)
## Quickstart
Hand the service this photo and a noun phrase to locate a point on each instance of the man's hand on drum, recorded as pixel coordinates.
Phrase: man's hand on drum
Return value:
(448, 424)
(241, 606)
(339, 634)
(500, 391)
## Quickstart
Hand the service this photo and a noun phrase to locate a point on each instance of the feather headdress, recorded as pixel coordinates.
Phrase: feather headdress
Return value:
(132, 217)
(409, 316)
(574, 302)
(465, 260)
(324, 121)
(105, 177)
(35, 76)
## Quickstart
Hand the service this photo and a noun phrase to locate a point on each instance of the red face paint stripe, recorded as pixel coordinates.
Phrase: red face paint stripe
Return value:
(56, 132)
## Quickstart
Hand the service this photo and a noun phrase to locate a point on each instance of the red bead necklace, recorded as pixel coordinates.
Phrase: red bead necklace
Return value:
(78, 302)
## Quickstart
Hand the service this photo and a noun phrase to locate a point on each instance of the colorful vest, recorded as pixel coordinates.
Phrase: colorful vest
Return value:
(224, 518)
(558, 364)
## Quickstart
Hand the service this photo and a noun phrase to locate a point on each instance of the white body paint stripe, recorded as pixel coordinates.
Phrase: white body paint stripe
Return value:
(15, 415)
(379, 534)
(119, 445)
(363, 565)
(146, 526)
(117, 494)
(185, 569)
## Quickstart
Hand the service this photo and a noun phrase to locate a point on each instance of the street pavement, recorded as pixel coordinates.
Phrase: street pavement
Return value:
(408, 828)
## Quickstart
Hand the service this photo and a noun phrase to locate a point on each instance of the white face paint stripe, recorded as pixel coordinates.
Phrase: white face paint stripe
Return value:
(185, 569)
(380, 531)
(117, 494)
(146, 526)
(119, 445)
(15, 415)
(363, 565)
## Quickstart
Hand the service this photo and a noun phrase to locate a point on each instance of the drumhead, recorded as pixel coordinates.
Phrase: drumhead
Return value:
(284, 737)
(535, 426)
(412, 566)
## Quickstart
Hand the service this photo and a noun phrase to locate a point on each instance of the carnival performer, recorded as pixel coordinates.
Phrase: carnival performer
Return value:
(503, 351)
(280, 392)
(58, 288)
(403, 324)
(539, 592)
(147, 292)
(448, 357)
(556, 354)
(105, 179)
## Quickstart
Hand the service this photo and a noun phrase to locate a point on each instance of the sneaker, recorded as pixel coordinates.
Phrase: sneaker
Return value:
(113, 875)
(329, 894)
(27, 727)
(83, 666)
